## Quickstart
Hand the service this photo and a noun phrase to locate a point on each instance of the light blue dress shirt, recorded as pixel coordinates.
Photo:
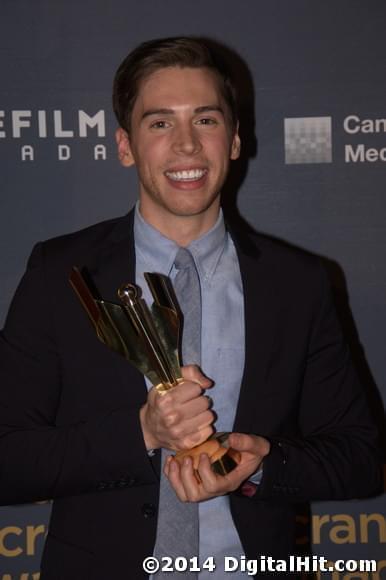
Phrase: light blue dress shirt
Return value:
(222, 359)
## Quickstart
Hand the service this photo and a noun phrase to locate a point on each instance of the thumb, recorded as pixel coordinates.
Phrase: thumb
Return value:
(193, 373)
(249, 443)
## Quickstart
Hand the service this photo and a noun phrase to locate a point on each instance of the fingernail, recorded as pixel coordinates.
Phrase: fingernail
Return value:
(210, 401)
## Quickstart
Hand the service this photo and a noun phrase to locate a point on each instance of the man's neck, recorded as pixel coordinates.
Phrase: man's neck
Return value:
(181, 229)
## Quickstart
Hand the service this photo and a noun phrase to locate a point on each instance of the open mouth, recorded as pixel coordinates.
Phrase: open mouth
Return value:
(186, 175)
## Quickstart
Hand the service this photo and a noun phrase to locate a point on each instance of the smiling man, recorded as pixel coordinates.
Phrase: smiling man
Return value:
(181, 139)
(80, 425)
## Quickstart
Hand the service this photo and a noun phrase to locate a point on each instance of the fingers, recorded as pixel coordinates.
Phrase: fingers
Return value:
(187, 433)
(193, 373)
(254, 444)
(208, 484)
(183, 478)
(200, 485)
(194, 407)
(215, 485)
(243, 442)
(172, 472)
(189, 485)
(180, 418)
(185, 391)
(184, 412)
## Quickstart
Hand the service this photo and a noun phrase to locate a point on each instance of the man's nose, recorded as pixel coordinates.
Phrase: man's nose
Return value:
(186, 140)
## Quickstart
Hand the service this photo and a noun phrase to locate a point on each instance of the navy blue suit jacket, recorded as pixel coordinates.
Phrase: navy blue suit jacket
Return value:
(69, 424)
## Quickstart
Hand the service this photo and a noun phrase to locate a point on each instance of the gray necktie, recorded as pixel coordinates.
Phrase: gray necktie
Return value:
(178, 527)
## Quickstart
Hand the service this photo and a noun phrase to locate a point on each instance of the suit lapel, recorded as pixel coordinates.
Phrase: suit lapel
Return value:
(115, 263)
(260, 325)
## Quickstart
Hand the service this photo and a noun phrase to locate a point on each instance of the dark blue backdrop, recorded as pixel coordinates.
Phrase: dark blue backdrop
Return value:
(319, 184)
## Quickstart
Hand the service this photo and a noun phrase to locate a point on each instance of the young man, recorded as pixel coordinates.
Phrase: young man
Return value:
(78, 422)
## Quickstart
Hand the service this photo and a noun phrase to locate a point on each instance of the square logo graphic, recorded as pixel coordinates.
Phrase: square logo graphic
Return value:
(308, 140)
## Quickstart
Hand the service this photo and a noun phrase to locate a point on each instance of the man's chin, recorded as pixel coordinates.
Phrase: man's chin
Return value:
(184, 207)
(191, 207)
(191, 212)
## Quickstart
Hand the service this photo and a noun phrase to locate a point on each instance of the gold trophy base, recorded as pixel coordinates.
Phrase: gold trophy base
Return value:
(222, 457)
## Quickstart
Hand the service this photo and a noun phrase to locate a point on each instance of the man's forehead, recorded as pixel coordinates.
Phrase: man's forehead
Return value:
(179, 85)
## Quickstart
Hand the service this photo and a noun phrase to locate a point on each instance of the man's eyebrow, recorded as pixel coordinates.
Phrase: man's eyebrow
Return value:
(150, 112)
(197, 111)
(209, 108)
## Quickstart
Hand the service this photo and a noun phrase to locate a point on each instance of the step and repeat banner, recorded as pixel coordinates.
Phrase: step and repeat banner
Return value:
(314, 174)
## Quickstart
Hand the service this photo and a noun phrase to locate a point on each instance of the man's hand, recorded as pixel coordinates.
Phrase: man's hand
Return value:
(180, 418)
(187, 486)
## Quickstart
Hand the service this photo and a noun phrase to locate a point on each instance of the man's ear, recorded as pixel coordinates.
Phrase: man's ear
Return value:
(125, 155)
(236, 144)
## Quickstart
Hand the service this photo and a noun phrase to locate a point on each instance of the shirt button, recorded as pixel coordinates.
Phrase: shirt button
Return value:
(148, 510)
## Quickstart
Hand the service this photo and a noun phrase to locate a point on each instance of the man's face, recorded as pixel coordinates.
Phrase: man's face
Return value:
(181, 142)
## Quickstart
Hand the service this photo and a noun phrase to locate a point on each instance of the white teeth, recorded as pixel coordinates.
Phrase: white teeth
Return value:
(186, 175)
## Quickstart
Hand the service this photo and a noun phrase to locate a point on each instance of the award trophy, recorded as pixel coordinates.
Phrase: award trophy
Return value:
(149, 339)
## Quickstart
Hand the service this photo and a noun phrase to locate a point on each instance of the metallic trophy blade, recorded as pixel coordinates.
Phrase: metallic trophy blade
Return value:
(131, 331)
(158, 330)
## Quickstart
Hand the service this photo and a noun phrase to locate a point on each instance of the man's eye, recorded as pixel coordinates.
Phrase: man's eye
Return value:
(159, 125)
(207, 121)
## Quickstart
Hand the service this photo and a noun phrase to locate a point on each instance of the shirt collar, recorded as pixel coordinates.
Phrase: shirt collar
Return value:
(158, 252)
(207, 250)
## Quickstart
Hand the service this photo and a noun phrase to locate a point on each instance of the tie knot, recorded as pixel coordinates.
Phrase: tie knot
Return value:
(184, 259)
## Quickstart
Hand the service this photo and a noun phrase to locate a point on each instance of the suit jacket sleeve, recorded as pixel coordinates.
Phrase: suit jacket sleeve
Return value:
(39, 458)
(334, 453)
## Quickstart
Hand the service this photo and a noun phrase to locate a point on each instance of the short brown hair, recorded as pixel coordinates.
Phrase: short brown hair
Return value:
(189, 52)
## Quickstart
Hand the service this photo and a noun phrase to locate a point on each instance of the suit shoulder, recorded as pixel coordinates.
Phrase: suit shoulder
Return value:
(289, 271)
(296, 278)
(83, 245)
(281, 251)
(281, 255)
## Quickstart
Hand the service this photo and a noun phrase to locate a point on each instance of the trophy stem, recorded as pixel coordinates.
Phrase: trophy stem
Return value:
(141, 319)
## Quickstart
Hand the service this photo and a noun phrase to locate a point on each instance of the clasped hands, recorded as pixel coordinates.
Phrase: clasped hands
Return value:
(181, 419)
